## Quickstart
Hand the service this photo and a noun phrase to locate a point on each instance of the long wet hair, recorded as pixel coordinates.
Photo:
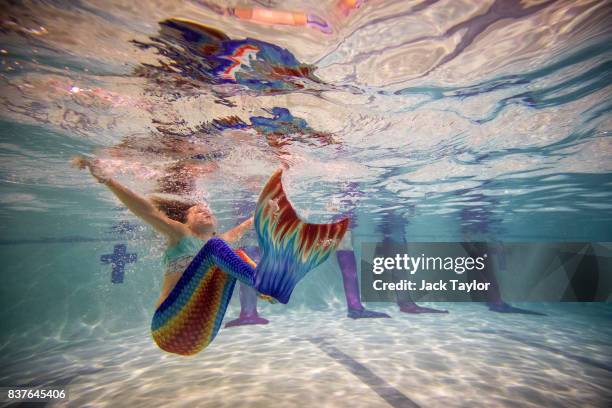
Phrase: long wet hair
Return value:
(174, 209)
(176, 180)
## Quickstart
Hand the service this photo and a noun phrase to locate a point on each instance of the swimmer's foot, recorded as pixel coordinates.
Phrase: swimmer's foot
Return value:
(365, 314)
(416, 309)
(246, 321)
(503, 307)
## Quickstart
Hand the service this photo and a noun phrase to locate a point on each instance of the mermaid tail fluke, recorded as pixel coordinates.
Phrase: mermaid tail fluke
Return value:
(290, 247)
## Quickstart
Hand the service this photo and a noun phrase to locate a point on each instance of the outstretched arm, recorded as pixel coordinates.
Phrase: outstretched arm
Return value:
(140, 206)
(236, 233)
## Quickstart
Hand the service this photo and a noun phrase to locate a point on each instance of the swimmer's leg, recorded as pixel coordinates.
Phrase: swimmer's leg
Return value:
(348, 266)
(494, 298)
(248, 299)
(248, 309)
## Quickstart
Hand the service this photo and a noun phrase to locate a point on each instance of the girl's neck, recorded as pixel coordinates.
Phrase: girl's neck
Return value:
(203, 235)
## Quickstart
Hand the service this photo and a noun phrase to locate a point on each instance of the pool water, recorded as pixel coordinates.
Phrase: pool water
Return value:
(423, 121)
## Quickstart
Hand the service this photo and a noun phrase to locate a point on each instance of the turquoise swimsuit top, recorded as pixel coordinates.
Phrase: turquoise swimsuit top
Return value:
(177, 257)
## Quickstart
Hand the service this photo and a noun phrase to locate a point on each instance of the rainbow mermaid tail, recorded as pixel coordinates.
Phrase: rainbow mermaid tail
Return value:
(190, 317)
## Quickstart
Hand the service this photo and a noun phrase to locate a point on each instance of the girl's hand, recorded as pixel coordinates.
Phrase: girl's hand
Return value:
(275, 208)
(81, 162)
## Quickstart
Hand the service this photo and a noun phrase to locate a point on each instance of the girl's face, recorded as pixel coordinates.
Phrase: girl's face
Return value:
(200, 217)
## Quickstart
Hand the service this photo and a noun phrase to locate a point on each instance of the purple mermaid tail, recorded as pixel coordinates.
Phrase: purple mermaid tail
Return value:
(348, 266)
(248, 298)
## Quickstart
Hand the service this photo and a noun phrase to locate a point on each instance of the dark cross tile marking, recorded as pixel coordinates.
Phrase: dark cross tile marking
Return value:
(392, 395)
(118, 259)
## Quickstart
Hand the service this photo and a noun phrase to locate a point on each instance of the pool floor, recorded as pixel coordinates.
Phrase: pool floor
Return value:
(470, 357)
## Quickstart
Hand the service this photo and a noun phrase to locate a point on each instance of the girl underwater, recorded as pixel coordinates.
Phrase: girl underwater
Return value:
(182, 223)
(202, 270)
